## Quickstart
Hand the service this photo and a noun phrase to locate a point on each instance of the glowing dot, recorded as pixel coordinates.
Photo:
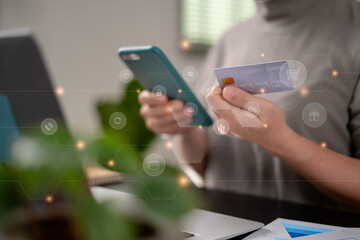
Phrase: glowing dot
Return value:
(111, 163)
(49, 199)
(334, 73)
(169, 109)
(304, 92)
(183, 181)
(185, 45)
(265, 125)
(168, 144)
(59, 91)
(262, 90)
(200, 127)
(323, 144)
(262, 55)
(138, 90)
(80, 145)
(179, 91)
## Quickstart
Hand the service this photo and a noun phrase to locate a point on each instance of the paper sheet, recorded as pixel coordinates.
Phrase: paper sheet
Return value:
(284, 229)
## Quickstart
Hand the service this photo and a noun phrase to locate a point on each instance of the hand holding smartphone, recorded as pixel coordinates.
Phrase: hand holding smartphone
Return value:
(155, 72)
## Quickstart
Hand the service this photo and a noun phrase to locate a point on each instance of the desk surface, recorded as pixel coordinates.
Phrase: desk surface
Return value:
(266, 210)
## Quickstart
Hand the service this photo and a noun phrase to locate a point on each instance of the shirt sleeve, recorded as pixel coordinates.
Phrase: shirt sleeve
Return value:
(354, 124)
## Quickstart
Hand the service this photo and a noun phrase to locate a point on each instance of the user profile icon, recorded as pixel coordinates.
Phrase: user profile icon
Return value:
(117, 120)
(49, 126)
(154, 164)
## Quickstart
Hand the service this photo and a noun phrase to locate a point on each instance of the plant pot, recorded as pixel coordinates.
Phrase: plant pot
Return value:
(41, 221)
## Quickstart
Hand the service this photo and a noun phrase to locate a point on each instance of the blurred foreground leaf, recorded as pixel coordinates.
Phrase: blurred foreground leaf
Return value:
(135, 130)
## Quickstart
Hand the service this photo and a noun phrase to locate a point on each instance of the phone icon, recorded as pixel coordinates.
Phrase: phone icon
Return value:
(49, 126)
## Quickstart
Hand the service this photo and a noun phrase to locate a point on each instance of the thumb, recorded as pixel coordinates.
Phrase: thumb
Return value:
(239, 98)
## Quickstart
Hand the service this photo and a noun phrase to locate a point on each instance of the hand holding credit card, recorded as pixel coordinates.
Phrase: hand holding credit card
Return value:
(257, 78)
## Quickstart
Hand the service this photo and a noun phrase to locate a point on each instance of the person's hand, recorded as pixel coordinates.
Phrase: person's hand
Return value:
(163, 115)
(255, 119)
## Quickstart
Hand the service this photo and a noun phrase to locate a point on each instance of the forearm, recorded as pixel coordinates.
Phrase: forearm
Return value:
(335, 174)
(192, 147)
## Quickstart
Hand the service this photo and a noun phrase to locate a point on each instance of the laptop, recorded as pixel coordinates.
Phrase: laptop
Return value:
(197, 225)
(27, 97)
(26, 93)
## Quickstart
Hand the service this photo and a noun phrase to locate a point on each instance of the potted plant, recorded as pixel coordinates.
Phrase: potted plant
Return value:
(44, 194)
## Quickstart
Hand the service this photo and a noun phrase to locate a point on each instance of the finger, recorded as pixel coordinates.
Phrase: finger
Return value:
(159, 121)
(239, 98)
(236, 116)
(215, 100)
(147, 97)
(180, 113)
(183, 120)
(147, 110)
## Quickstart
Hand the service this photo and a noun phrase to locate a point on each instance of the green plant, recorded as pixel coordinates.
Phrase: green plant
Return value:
(44, 194)
(135, 133)
(125, 146)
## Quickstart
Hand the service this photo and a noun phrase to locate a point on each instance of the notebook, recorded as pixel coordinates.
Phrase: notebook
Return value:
(98, 176)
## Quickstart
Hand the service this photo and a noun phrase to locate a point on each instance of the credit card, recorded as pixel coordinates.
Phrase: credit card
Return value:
(257, 78)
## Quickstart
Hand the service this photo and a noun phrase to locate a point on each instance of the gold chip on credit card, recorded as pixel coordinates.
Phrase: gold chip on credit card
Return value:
(229, 80)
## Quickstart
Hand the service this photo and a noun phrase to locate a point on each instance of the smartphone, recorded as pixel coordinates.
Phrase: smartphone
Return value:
(156, 73)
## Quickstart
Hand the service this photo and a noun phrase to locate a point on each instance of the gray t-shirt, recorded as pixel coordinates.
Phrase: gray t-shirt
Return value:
(324, 35)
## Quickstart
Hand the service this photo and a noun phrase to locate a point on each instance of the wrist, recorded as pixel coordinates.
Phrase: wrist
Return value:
(283, 143)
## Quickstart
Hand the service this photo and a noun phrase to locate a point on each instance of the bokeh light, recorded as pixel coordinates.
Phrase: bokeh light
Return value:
(49, 199)
(334, 73)
(111, 163)
(80, 145)
(183, 181)
(185, 45)
(59, 91)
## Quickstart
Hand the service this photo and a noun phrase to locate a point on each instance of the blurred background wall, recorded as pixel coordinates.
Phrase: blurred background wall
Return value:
(80, 38)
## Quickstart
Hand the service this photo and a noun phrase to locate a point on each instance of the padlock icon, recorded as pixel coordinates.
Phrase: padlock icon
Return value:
(159, 93)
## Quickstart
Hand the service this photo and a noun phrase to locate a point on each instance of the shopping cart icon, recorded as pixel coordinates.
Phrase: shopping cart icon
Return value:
(293, 74)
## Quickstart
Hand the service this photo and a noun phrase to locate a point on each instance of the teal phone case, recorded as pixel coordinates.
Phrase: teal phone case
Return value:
(153, 69)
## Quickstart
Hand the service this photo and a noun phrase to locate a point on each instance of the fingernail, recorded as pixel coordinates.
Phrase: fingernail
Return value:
(229, 93)
(177, 105)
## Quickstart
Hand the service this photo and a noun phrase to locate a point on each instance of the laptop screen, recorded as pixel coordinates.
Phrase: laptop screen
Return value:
(26, 93)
